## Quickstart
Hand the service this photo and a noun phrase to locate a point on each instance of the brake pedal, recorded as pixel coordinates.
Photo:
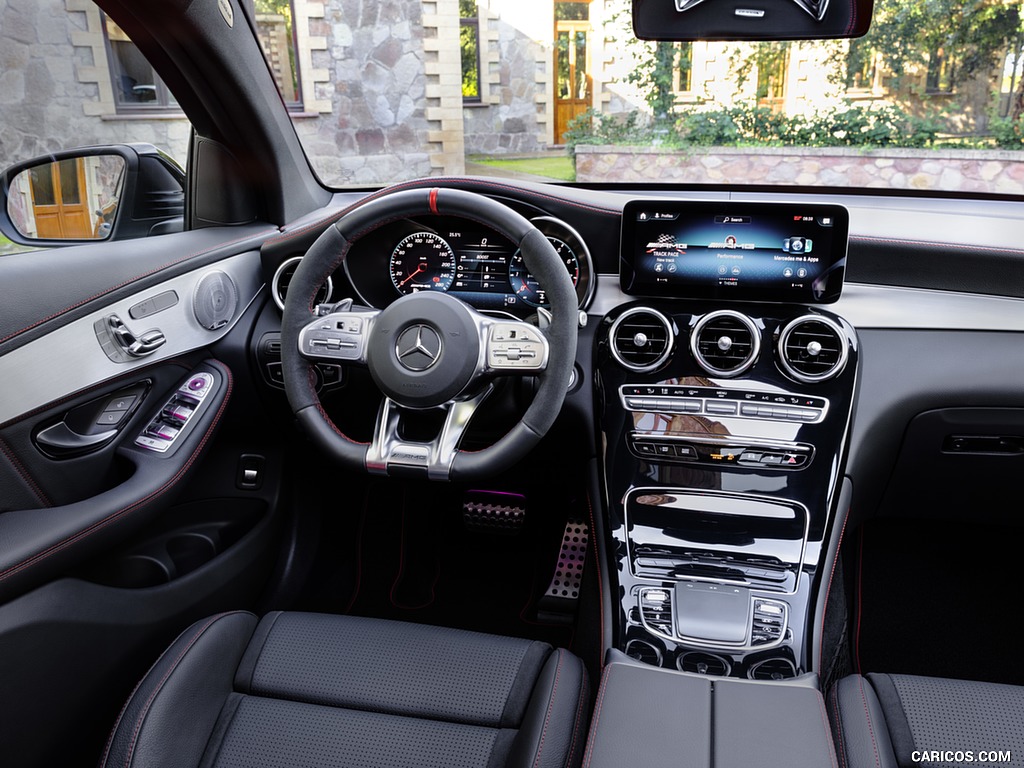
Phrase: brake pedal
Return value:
(494, 512)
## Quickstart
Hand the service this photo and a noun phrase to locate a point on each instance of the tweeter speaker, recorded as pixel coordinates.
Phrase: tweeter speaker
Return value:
(215, 301)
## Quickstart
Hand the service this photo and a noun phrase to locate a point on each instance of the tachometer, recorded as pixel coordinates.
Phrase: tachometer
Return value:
(525, 285)
(422, 262)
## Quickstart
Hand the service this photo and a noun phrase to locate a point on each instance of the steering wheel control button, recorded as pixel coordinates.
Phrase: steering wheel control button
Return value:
(516, 346)
(337, 336)
(419, 348)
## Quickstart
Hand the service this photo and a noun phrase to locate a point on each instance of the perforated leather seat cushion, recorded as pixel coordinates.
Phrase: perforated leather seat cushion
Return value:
(884, 721)
(301, 689)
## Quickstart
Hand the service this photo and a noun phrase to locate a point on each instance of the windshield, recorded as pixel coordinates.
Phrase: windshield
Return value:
(930, 99)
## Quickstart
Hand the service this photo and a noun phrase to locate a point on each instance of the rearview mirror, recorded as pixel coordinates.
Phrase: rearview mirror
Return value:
(692, 20)
(93, 193)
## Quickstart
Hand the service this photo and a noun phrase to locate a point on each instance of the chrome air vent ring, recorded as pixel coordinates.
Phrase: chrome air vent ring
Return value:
(725, 343)
(641, 339)
(282, 277)
(812, 348)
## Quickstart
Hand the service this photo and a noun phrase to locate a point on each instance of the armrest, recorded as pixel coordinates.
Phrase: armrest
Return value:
(650, 716)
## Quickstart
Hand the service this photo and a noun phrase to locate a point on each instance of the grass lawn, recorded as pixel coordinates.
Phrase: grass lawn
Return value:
(556, 167)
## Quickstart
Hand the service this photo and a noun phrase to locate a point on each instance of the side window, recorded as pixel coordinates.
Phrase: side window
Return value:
(71, 109)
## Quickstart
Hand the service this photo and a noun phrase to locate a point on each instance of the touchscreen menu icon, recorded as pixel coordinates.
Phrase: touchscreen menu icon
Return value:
(797, 245)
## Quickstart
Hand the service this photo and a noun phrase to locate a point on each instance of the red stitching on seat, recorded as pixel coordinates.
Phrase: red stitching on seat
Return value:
(839, 724)
(551, 706)
(597, 718)
(828, 730)
(134, 505)
(130, 280)
(867, 715)
(160, 685)
(579, 714)
(21, 470)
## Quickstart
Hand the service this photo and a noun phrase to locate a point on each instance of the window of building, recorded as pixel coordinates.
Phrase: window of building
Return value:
(137, 88)
(682, 72)
(569, 11)
(861, 66)
(771, 79)
(469, 42)
(276, 32)
(941, 72)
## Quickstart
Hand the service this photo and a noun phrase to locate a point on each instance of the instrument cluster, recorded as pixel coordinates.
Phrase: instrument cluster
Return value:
(462, 257)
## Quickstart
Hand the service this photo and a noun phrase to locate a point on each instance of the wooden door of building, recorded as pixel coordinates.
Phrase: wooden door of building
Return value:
(573, 81)
(59, 201)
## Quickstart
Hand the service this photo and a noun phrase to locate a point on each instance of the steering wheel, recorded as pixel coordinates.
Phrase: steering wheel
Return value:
(428, 350)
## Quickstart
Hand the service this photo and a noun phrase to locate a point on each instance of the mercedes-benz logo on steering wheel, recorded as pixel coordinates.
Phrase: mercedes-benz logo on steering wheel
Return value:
(418, 347)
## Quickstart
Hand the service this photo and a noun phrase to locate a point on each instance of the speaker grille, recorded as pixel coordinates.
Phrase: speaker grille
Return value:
(215, 301)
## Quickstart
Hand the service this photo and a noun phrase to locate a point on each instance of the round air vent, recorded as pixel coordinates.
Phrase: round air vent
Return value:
(641, 650)
(772, 669)
(703, 663)
(641, 339)
(283, 276)
(812, 349)
(725, 343)
(215, 300)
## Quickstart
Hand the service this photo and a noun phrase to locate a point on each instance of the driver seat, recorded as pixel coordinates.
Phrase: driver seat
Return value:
(304, 689)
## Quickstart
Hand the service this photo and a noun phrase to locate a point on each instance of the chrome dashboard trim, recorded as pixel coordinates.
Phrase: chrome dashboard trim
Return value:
(876, 307)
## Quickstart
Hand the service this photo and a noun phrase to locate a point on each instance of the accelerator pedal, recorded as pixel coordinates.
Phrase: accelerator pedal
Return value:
(494, 512)
(563, 593)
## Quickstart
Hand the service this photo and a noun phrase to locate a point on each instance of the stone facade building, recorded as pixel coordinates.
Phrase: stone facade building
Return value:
(382, 90)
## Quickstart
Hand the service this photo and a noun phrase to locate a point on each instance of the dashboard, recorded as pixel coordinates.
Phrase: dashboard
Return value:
(460, 257)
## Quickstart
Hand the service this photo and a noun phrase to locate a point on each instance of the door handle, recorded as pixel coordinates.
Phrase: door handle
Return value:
(61, 441)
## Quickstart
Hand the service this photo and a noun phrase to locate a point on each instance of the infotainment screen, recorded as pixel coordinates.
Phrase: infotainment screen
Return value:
(784, 252)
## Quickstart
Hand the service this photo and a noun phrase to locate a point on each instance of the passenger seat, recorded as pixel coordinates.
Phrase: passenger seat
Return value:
(894, 721)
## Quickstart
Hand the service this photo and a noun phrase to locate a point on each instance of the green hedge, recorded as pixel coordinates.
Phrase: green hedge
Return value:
(886, 126)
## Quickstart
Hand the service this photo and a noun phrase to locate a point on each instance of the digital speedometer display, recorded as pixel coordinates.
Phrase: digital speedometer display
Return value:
(471, 261)
(422, 262)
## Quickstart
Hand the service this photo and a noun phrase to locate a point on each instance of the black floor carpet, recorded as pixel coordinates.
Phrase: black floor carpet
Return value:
(409, 557)
(940, 599)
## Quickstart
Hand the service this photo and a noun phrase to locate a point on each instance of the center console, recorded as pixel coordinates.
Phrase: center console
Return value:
(724, 421)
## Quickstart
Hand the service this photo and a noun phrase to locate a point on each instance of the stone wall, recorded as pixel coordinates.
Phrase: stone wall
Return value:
(945, 170)
(55, 85)
(377, 128)
(509, 118)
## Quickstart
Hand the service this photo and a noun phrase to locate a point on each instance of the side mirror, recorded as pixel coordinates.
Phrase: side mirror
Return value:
(81, 195)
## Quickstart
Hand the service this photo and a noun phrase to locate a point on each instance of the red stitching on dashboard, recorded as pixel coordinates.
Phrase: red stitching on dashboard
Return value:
(127, 282)
(860, 589)
(828, 591)
(53, 549)
(936, 244)
(21, 470)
